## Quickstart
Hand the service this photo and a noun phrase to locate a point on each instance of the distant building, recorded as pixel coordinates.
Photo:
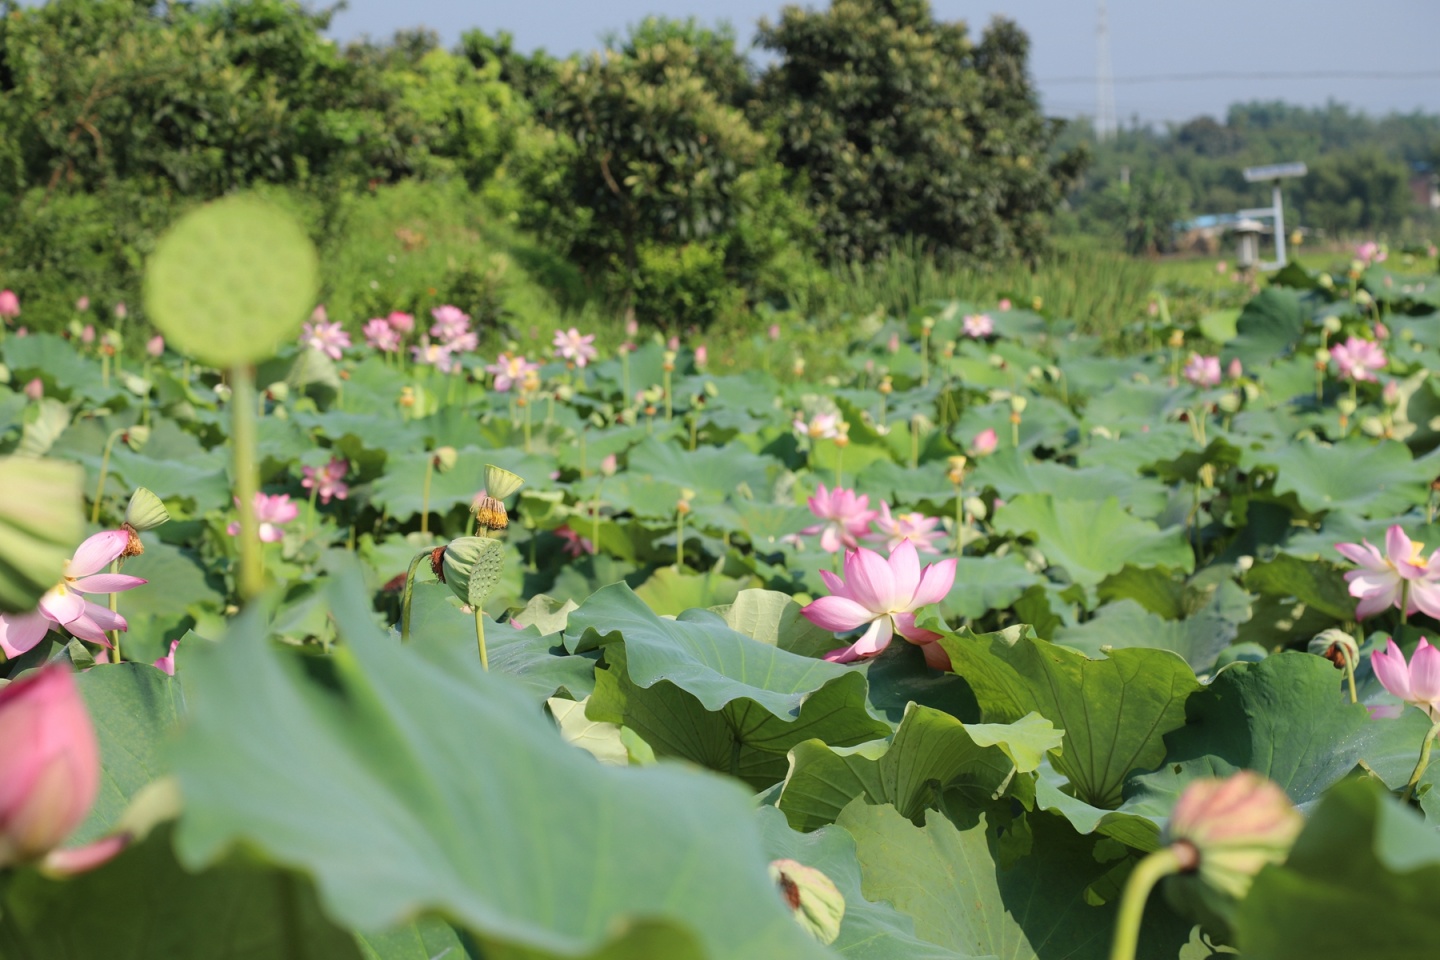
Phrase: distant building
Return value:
(1425, 186)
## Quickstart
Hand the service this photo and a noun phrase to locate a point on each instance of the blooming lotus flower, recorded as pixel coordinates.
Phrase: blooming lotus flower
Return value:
(702, 356)
(433, 354)
(570, 345)
(65, 604)
(9, 304)
(49, 763)
(574, 544)
(271, 513)
(978, 325)
(1004, 304)
(1381, 581)
(329, 338)
(984, 443)
(822, 426)
(87, 334)
(1370, 252)
(1358, 359)
(155, 346)
(1202, 371)
(510, 370)
(1235, 370)
(450, 322)
(774, 331)
(914, 528)
(846, 515)
(121, 311)
(884, 594)
(35, 389)
(379, 335)
(167, 662)
(328, 481)
(1417, 682)
(401, 323)
(463, 343)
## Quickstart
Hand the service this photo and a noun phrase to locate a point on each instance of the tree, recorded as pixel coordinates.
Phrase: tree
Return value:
(901, 127)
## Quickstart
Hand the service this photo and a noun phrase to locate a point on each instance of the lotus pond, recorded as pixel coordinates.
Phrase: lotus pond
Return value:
(1001, 644)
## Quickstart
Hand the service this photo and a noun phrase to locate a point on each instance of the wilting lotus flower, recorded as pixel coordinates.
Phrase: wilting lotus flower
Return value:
(49, 763)
(271, 513)
(822, 426)
(1417, 682)
(978, 325)
(320, 334)
(574, 544)
(572, 346)
(1234, 827)
(65, 603)
(379, 335)
(9, 305)
(984, 443)
(1358, 359)
(155, 346)
(847, 516)
(510, 370)
(901, 528)
(884, 594)
(328, 481)
(1202, 371)
(401, 322)
(1382, 580)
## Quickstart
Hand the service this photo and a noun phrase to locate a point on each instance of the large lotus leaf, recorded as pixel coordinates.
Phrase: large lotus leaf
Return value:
(179, 587)
(400, 492)
(1361, 855)
(1010, 474)
(1115, 712)
(1046, 423)
(712, 473)
(900, 676)
(774, 618)
(136, 709)
(763, 524)
(1128, 824)
(671, 591)
(930, 753)
(200, 479)
(983, 584)
(1138, 450)
(896, 484)
(40, 526)
(695, 688)
(408, 779)
(869, 931)
(1129, 408)
(55, 362)
(1342, 527)
(1269, 326)
(956, 885)
(1284, 717)
(1319, 586)
(1198, 638)
(1356, 476)
(382, 434)
(142, 906)
(428, 938)
(1091, 540)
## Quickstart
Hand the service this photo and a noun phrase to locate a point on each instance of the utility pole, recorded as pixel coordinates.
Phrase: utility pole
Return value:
(1105, 125)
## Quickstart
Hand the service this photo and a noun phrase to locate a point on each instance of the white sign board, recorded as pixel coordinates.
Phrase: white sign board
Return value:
(1274, 171)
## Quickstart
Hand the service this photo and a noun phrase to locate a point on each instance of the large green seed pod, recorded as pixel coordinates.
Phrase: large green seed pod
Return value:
(145, 511)
(472, 567)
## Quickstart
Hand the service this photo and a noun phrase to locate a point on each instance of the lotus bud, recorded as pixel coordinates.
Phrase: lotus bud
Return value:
(145, 511)
(609, 466)
(818, 905)
(445, 458)
(1235, 370)
(471, 567)
(985, 442)
(1337, 646)
(1391, 393)
(49, 763)
(1382, 332)
(1232, 828)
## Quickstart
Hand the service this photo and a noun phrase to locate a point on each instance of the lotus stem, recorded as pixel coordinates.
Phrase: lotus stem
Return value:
(924, 357)
(425, 495)
(114, 607)
(480, 639)
(1420, 764)
(1404, 602)
(104, 474)
(1148, 872)
(251, 579)
(408, 593)
(669, 401)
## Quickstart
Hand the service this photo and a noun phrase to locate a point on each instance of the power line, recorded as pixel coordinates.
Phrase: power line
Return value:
(1255, 75)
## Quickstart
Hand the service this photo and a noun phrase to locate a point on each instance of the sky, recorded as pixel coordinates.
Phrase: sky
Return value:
(1337, 40)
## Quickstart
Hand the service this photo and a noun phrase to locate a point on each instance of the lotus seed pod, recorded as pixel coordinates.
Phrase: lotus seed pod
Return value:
(1326, 281)
(1332, 325)
(1345, 405)
(1018, 403)
(927, 324)
(976, 508)
(145, 511)
(818, 905)
(4, 373)
(1236, 826)
(445, 458)
(278, 391)
(136, 437)
(500, 483)
(1337, 646)
(1229, 403)
(472, 567)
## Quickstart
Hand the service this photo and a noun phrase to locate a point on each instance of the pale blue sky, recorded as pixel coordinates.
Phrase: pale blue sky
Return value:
(1147, 38)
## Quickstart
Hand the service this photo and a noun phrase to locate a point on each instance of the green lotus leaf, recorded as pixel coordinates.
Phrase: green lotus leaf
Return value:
(1090, 540)
(41, 524)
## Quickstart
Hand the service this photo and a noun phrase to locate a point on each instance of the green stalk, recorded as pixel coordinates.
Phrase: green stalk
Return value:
(425, 495)
(625, 377)
(839, 462)
(1420, 764)
(1404, 602)
(924, 357)
(679, 539)
(104, 474)
(1148, 872)
(114, 608)
(480, 638)
(407, 594)
(247, 479)
(669, 403)
(959, 521)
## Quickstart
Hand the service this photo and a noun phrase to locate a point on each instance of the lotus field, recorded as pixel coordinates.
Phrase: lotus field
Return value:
(335, 638)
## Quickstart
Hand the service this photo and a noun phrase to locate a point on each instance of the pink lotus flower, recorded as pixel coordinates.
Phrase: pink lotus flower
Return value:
(822, 426)
(1235, 370)
(1418, 682)
(35, 389)
(1004, 303)
(433, 354)
(1382, 332)
(774, 331)
(632, 327)
(608, 465)
(1370, 252)
(702, 356)
(913, 528)
(846, 517)
(401, 323)
(155, 346)
(49, 764)
(1358, 359)
(167, 662)
(379, 335)
(82, 305)
(1202, 371)
(272, 513)
(978, 326)
(510, 370)
(1382, 580)
(984, 443)
(9, 304)
(320, 334)
(121, 311)
(885, 595)
(450, 322)
(328, 481)
(65, 604)
(570, 345)
(87, 335)
(574, 544)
